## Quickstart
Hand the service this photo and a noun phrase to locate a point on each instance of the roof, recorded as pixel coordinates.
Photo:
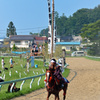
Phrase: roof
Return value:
(41, 38)
(21, 37)
(66, 38)
(77, 38)
(2, 46)
(68, 43)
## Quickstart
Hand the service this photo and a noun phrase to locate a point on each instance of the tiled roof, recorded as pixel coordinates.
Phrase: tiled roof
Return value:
(21, 37)
(66, 38)
(41, 38)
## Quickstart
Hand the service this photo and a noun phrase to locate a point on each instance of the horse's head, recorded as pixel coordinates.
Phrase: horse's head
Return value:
(49, 77)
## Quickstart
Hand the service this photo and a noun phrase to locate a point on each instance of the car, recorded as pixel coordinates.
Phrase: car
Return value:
(78, 53)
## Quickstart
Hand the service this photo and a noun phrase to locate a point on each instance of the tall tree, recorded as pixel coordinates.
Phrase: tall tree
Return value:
(73, 24)
(11, 30)
(92, 32)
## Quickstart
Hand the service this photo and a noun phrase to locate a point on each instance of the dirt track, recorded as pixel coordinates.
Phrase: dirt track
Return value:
(85, 86)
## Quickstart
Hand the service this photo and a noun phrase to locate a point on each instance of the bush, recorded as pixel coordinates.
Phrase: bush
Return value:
(14, 48)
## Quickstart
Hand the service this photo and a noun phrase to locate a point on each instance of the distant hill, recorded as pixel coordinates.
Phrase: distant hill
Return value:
(73, 24)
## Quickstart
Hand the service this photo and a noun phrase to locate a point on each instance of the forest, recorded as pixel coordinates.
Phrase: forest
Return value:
(72, 25)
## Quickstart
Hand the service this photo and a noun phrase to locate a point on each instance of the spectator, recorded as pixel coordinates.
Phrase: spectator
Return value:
(40, 48)
(11, 62)
(36, 49)
(20, 56)
(2, 62)
(1, 79)
(33, 50)
(14, 89)
(27, 64)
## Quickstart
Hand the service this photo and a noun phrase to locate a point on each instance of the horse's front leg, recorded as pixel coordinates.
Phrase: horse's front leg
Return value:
(48, 95)
(65, 89)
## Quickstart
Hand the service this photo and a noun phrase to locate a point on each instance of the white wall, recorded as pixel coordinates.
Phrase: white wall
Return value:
(22, 44)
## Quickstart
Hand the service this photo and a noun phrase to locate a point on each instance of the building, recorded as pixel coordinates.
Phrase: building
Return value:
(1, 40)
(68, 46)
(40, 40)
(77, 38)
(21, 41)
(66, 38)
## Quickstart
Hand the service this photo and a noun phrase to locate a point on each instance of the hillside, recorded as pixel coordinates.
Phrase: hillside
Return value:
(73, 24)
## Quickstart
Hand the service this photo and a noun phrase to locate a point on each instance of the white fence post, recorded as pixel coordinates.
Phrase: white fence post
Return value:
(22, 84)
(31, 83)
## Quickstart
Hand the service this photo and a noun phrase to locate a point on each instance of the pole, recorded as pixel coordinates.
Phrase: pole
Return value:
(52, 28)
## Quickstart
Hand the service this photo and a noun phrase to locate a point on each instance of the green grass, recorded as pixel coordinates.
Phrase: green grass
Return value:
(96, 59)
(26, 87)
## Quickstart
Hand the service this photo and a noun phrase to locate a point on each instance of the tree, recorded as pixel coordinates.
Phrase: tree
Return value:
(91, 31)
(11, 30)
(72, 25)
(14, 48)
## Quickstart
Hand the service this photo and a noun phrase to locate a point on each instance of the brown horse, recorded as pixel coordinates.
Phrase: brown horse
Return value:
(54, 86)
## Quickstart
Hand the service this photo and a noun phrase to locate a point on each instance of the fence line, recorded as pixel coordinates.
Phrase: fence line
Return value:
(23, 81)
(93, 57)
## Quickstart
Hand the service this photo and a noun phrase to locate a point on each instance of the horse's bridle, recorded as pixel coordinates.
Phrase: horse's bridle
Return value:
(48, 76)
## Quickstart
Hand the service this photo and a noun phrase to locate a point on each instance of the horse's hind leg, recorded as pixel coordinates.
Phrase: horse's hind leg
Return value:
(48, 95)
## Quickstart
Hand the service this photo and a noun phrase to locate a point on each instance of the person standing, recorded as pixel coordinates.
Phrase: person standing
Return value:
(2, 62)
(27, 64)
(11, 63)
(40, 48)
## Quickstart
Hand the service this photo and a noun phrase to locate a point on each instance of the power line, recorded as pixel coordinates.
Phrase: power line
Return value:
(29, 28)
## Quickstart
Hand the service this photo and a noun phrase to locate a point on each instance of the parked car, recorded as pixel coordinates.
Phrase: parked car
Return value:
(78, 53)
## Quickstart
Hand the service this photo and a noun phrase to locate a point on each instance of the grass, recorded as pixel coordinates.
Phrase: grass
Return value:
(96, 59)
(26, 87)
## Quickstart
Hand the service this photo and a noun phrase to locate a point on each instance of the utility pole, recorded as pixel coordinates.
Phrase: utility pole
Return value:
(52, 28)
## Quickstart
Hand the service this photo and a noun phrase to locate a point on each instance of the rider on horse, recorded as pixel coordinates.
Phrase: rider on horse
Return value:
(56, 71)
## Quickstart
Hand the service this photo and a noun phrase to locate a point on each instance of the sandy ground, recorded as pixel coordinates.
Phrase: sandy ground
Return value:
(84, 85)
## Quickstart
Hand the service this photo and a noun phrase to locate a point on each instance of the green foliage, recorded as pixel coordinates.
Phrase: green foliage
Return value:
(14, 48)
(33, 33)
(96, 59)
(73, 49)
(95, 49)
(44, 32)
(91, 31)
(58, 52)
(72, 25)
(11, 30)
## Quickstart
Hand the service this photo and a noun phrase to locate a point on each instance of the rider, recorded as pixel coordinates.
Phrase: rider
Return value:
(57, 71)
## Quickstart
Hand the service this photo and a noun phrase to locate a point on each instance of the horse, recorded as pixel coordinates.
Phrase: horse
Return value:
(53, 86)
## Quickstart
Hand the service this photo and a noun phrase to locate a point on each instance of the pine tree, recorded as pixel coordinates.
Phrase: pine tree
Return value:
(11, 30)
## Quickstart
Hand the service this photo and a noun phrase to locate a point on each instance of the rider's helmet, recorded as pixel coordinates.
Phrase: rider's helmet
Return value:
(53, 62)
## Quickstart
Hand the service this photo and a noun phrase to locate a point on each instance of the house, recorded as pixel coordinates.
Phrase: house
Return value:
(68, 46)
(40, 40)
(1, 40)
(4, 43)
(66, 38)
(21, 41)
(58, 38)
(77, 38)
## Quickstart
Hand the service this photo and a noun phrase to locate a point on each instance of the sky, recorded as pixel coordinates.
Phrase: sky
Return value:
(32, 15)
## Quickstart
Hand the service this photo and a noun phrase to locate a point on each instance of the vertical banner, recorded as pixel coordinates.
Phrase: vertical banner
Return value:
(54, 40)
(49, 31)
